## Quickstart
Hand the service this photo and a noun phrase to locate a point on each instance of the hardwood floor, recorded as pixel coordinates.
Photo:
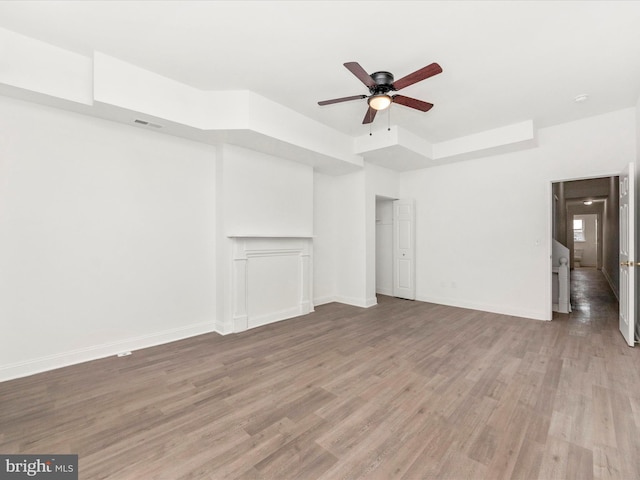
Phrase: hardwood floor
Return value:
(402, 390)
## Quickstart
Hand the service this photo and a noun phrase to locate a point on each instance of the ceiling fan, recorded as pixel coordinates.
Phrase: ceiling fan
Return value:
(381, 83)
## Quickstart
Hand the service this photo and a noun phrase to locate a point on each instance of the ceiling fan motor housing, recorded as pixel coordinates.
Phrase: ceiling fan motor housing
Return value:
(384, 82)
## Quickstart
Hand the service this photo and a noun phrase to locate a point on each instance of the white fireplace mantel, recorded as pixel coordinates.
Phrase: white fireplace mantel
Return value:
(271, 279)
(268, 236)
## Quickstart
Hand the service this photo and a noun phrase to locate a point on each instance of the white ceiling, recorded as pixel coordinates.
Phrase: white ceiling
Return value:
(504, 62)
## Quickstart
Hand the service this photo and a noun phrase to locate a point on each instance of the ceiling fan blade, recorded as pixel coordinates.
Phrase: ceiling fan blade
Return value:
(417, 76)
(358, 71)
(343, 99)
(369, 116)
(413, 103)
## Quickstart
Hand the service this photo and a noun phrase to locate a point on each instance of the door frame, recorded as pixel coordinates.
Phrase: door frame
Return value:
(550, 219)
(391, 200)
(630, 298)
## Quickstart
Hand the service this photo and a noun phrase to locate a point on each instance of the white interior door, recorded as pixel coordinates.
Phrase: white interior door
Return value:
(404, 235)
(627, 258)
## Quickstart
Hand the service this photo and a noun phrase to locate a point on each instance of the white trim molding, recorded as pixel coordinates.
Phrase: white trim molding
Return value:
(95, 352)
(271, 280)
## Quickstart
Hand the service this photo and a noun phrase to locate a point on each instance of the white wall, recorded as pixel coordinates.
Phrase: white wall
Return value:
(325, 248)
(266, 195)
(484, 226)
(106, 238)
(345, 217)
(350, 244)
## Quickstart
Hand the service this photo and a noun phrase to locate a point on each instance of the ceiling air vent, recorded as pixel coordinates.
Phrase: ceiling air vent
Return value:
(148, 124)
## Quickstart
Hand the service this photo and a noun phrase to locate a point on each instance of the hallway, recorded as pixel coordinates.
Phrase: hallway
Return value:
(592, 299)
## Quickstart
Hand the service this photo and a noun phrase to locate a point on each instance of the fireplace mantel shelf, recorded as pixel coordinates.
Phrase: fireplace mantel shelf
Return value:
(267, 236)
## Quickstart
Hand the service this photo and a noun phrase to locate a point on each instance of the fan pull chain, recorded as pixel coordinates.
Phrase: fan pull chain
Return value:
(389, 119)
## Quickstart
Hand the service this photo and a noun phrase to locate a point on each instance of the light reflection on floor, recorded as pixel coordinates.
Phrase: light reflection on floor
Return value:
(592, 300)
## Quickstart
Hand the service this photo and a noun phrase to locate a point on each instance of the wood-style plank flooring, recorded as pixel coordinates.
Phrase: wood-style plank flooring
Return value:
(401, 390)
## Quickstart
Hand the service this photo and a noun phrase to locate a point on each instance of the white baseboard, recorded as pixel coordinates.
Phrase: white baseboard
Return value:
(613, 289)
(353, 301)
(371, 302)
(94, 352)
(385, 291)
(63, 359)
(324, 300)
(223, 328)
(260, 320)
(500, 309)
(357, 302)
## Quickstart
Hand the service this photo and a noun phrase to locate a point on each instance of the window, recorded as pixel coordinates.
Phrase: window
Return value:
(578, 230)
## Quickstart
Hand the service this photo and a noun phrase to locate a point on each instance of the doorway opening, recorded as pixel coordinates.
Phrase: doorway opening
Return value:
(384, 246)
(395, 247)
(586, 222)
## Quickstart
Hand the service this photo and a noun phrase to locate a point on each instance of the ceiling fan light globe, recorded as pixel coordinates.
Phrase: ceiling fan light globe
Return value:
(379, 102)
